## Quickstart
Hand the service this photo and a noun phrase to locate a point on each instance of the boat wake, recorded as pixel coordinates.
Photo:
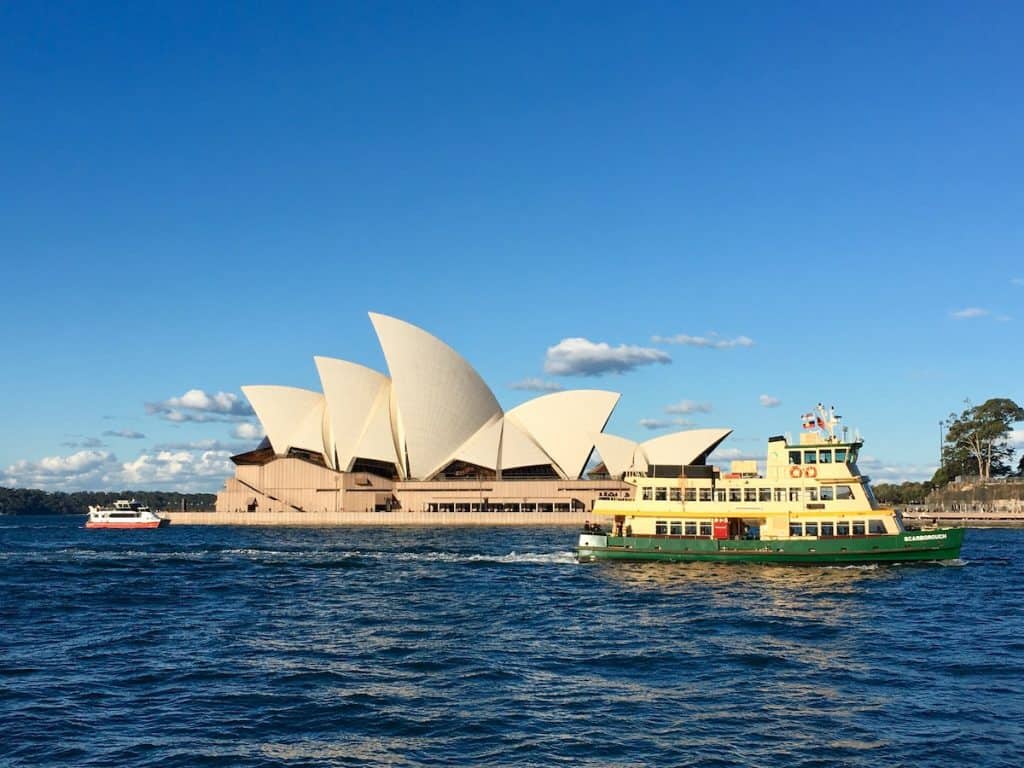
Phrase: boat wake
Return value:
(299, 556)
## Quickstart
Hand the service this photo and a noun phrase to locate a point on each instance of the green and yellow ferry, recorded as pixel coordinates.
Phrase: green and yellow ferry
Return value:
(811, 506)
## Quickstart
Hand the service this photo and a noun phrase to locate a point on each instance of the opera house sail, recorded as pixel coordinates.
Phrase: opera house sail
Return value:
(430, 436)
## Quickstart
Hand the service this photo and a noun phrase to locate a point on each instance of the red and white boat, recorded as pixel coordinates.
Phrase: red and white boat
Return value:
(124, 514)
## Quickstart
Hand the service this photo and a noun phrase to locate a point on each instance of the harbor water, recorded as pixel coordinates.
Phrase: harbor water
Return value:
(221, 646)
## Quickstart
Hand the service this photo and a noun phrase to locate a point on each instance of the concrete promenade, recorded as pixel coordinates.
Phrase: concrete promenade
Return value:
(963, 518)
(379, 519)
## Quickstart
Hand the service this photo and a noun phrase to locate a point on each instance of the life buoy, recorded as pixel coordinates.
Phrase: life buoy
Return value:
(795, 471)
(811, 472)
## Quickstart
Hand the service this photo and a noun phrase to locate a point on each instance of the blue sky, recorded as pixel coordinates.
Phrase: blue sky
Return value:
(197, 197)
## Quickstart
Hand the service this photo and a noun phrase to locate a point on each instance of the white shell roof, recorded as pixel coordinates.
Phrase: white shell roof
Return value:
(434, 409)
(354, 395)
(619, 454)
(563, 424)
(444, 402)
(518, 449)
(682, 447)
(292, 417)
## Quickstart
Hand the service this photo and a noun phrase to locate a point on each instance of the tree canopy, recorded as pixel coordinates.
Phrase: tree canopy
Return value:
(977, 441)
(28, 501)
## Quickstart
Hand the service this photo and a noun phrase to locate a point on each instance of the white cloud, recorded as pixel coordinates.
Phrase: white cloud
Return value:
(711, 341)
(79, 469)
(688, 406)
(535, 384)
(968, 313)
(180, 470)
(247, 431)
(1017, 438)
(653, 424)
(769, 402)
(128, 434)
(197, 405)
(582, 357)
(177, 469)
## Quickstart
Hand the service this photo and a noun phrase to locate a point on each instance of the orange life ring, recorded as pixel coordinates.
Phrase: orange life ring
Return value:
(811, 472)
(795, 471)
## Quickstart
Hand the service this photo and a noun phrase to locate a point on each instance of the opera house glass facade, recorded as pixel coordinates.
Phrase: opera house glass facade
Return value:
(430, 436)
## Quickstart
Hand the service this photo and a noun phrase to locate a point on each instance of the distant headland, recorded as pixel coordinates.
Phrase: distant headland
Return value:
(29, 501)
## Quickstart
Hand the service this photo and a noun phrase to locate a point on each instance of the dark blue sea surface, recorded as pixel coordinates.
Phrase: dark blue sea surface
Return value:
(219, 646)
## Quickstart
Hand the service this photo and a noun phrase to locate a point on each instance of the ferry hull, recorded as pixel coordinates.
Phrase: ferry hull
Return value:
(148, 524)
(908, 546)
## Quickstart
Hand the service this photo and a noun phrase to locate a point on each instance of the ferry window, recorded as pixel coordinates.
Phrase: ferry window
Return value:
(794, 457)
(827, 529)
(691, 528)
(720, 494)
(677, 528)
(648, 493)
(705, 528)
(853, 456)
(811, 529)
(705, 494)
(842, 529)
(811, 494)
(826, 493)
(840, 455)
(734, 494)
(764, 494)
(810, 457)
(858, 527)
(691, 494)
(796, 529)
(661, 494)
(794, 494)
(844, 492)
(750, 494)
(660, 528)
(876, 526)
(825, 457)
(675, 494)
(780, 494)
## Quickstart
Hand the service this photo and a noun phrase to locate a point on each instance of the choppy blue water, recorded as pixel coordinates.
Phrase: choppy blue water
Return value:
(296, 647)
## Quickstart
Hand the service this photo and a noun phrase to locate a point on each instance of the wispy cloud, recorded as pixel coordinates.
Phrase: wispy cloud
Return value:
(582, 357)
(769, 402)
(1017, 280)
(535, 384)
(654, 424)
(969, 313)
(711, 341)
(197, 405)
(128, 434)
(688, 406)
(894, 472)
(84, 442)
(722, 455)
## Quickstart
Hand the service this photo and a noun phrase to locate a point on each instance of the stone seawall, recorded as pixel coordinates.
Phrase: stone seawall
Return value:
(379, 519)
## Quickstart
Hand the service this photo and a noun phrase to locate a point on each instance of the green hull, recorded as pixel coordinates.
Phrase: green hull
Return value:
(942, 544)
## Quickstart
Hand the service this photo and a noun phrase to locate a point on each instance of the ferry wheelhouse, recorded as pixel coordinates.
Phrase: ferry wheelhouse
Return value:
(811, 505)
(124, 514)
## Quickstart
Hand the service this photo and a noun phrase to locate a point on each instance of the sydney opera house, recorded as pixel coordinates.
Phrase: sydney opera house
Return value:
(431, 437)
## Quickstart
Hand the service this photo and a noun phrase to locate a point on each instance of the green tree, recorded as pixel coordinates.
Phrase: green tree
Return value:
(978, 440)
